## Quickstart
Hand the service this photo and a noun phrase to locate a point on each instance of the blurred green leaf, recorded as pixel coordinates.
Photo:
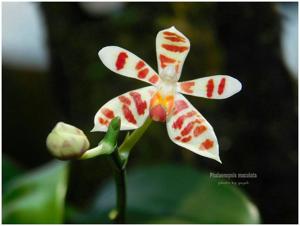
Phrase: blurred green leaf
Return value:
(176, 194)
(38, 196)
(10, 169)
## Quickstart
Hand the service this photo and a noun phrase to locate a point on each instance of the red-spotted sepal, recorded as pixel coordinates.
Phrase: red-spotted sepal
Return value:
(214, 87)
(172, 47)
(125, 63)
(189, 129)
(132, 107)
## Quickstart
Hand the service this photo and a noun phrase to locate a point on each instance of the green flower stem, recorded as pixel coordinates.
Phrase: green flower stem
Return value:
(91, 153)
(131, 140)
(108, 144)
(119, 158)
(120, 179)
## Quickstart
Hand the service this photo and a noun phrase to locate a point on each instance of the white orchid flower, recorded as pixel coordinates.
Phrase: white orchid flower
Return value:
(163, 100)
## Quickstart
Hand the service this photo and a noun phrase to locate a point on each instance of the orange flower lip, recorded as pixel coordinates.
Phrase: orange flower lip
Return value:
(161, 107)
(158, 113)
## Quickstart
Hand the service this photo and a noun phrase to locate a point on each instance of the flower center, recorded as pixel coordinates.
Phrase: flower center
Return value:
(168, 74)
(162, 102)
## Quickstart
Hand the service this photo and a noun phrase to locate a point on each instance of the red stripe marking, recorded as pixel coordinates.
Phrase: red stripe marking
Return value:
(199, 120)
(187, 129)
(121, 60)
(199, 130)
(174, 39)
(139, 65)
(207, 144)
(173, 36)
(108, 113)
(191, 113)
(209, 88)
(174, 48)
(103, 121)
(178, 123)
(221, 86)
(180, 120)
(139, 103)
(143, 73)
(164, 60)
(177, 68)
(128, 114)
(154, 78)
(169, 33)
(125, 100)
(186, 139)
(177, 138)
(186, 86)
(179, 106)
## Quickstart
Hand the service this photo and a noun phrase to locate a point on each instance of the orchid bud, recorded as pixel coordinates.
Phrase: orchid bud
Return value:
(67, 142)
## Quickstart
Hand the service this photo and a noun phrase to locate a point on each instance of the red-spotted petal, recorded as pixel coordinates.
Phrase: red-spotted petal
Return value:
(132, 107)
(125, 63)
(214, 87)
(189, 129)
(172, 47)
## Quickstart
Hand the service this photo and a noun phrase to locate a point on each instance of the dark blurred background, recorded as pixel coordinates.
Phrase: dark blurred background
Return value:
(51, 72)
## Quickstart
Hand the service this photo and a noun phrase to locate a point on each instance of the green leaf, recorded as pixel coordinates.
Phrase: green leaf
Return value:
(38, 196)
(10, 170)
(177, 194)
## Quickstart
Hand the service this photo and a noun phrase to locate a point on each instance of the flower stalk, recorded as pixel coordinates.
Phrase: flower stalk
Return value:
(118, 156)
(130, 140)
(120, 180)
